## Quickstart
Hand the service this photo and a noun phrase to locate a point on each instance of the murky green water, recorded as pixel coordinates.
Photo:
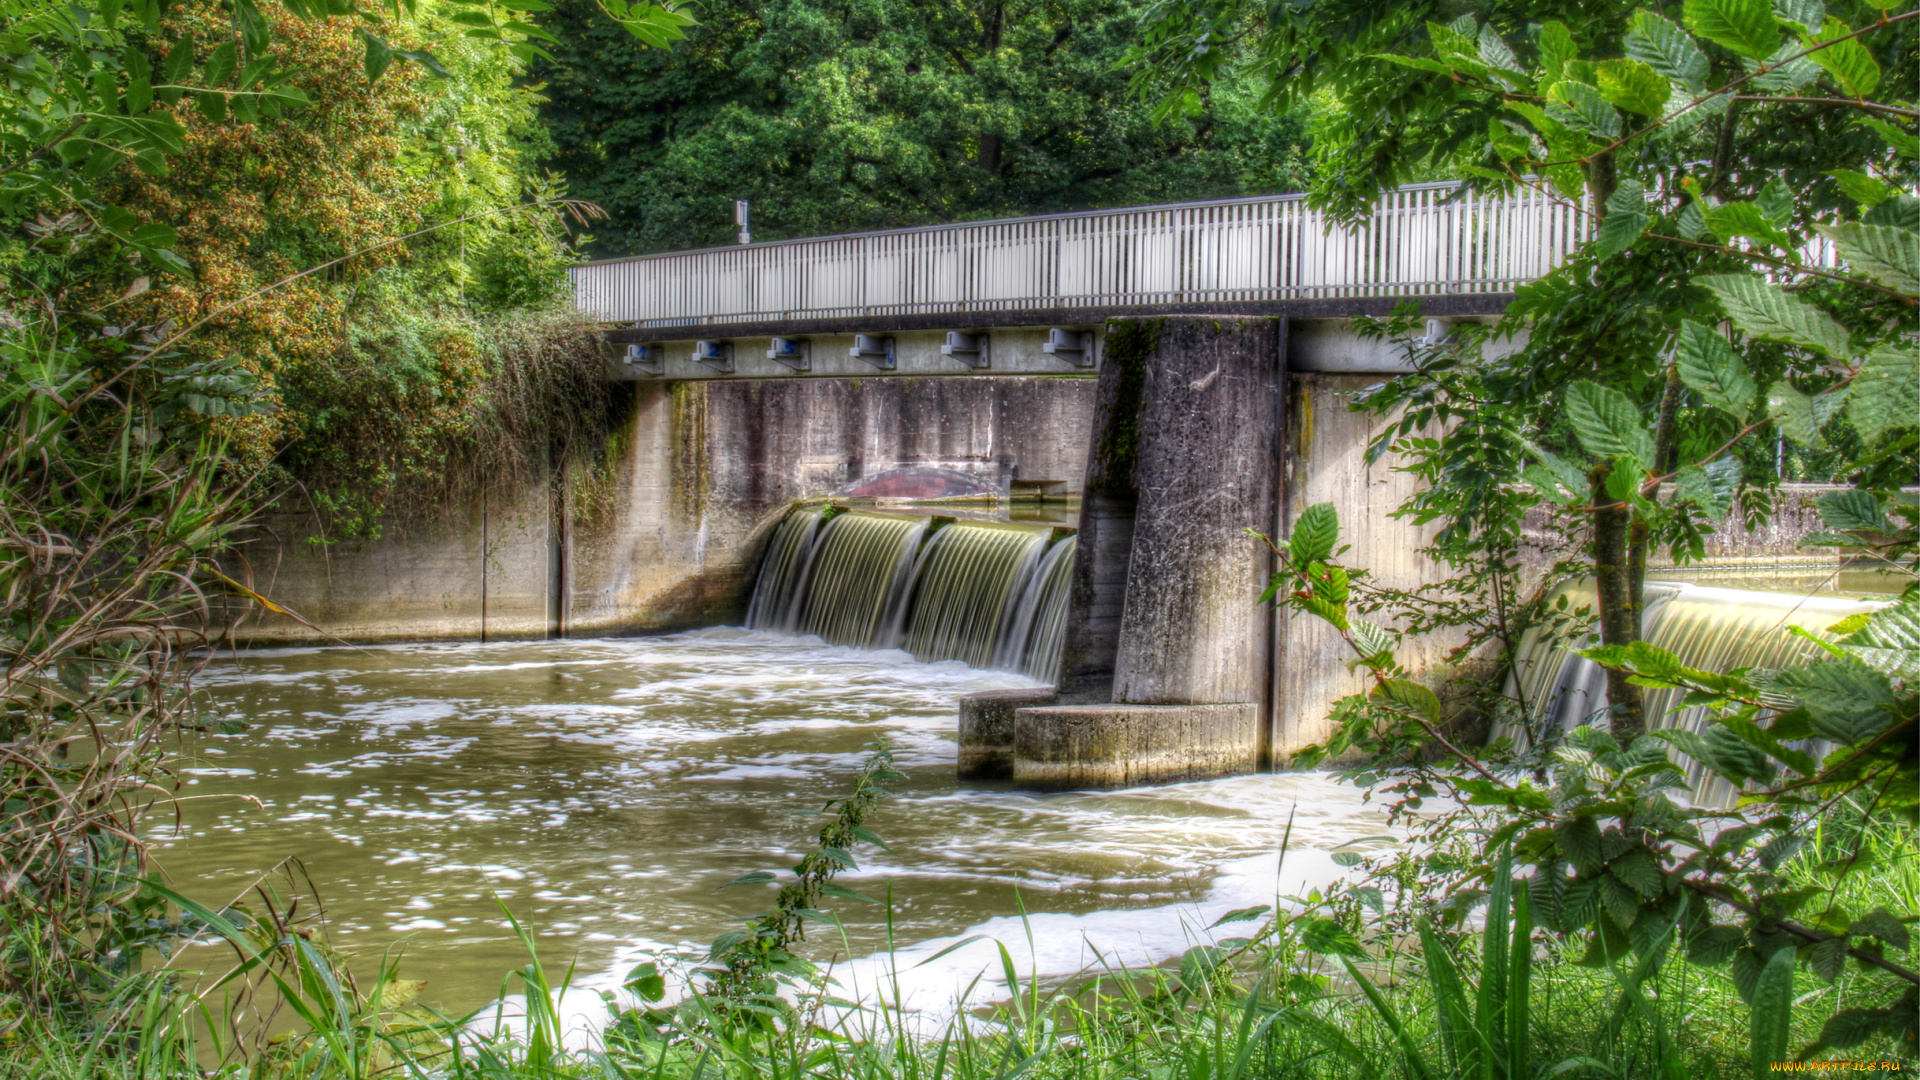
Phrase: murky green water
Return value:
(604, 789)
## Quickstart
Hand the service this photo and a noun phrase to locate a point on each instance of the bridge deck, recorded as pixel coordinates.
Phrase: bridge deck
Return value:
(1267, 255)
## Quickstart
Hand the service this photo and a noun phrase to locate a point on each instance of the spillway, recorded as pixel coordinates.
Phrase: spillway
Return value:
(988, 594)
(1708, 628)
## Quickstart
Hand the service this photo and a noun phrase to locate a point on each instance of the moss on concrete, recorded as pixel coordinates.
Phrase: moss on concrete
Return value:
(1130, 345)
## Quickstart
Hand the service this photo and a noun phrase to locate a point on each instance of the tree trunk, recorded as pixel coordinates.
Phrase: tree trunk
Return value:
(1640, 535)
(1619, 605)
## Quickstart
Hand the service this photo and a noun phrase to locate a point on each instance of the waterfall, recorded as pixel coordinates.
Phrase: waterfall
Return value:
(1040, 624)
(987, 594)
(1710, 629)
(783, 568)
(858, 572)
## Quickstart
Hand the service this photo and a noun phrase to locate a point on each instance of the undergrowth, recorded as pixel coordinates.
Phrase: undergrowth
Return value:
(1364, 981)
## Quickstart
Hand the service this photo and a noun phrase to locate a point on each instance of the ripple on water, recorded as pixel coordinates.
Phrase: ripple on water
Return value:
(602, 790)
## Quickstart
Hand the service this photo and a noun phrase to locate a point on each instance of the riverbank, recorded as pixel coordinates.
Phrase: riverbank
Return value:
(1272, 1004)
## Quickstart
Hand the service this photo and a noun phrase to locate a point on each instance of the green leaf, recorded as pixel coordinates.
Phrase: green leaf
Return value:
(1627, 217)
(212, 105)
(1543, 481)
(1581, 106)
(1883, 924)
(1314, 534)
(1710, 368)
(1848, 700)
(1715, 945)
(1785, 71)
(1853, 510)
(1776, 203)
(1370, 638)
(1888, 255)
(1745, 26)
(1407, 696)
(1792, 413)
(1416, 63)
(1638, 870)
(1772, 1023)
(1556, 48)
(1732, 220)
(1899, 211)
(1633, 85)
(1904, 143)
(1247, 914)
(1849, 1028)
(1888, 639)
(1710, 487)
(1866, 190)
(221, 64)
(1762, 309)
(179, 59)
(758, 877)
(1667, 49)
(379, 56)
(1849, 62)
(1607, 423)
(1495, 53)
(1886, 392)
(1828, 958)
(1804, 13)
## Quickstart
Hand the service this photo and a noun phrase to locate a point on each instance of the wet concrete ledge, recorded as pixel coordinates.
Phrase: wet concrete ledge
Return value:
(986, 730)
(1062, 747)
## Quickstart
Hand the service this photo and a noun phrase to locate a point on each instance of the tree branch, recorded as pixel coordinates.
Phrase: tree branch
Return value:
(1804, 933)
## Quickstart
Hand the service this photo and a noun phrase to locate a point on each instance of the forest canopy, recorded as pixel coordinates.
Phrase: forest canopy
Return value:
(833, 116)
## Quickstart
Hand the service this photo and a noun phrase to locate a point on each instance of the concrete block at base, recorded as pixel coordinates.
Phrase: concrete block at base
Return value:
(986, 730)
(1113, 746)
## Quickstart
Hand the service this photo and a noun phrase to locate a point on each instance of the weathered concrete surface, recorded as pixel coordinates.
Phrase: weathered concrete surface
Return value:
(1326, 462)
(661, 528)
(1109, 746)
(426, 578)
(1193, 631)
(1166, 654)
(1109, 502)
(986, 730)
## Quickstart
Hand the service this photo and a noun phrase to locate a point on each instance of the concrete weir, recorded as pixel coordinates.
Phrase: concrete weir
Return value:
(1165, 667)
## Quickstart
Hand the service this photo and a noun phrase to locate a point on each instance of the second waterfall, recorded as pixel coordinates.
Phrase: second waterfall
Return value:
(987, 594)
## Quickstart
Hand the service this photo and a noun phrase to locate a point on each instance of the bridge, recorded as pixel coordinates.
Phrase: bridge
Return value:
(1031, 295)
(1185, 370)
(1216, 355)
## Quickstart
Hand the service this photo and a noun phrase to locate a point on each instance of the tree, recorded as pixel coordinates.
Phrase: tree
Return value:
(1753, 271)
(833, 116)
(1505, 95)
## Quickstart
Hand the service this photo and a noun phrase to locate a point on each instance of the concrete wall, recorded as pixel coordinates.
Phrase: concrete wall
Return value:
(1326, 462)
(661, 530)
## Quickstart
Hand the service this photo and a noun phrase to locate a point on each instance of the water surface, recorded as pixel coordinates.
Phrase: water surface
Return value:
(605, 789)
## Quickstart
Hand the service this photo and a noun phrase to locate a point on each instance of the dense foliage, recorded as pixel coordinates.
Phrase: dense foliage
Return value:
(202, 210)
(832, 116)
(1754, 275)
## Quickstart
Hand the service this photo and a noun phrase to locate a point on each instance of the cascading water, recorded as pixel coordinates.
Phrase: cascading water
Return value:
(1709, 629)
(987, 594)
(1040, 626)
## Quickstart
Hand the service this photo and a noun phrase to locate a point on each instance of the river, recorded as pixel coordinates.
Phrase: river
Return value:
(603, 790)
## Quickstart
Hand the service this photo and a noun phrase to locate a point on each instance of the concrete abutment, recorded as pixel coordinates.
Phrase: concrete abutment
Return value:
(1164, 673)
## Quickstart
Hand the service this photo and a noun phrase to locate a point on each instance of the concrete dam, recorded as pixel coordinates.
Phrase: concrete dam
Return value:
(1182, 374)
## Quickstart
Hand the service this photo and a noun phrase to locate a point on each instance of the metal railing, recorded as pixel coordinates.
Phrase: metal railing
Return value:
(1421, 240)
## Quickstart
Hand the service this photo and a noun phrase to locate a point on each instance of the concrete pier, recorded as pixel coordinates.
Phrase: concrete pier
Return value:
(1164, 670)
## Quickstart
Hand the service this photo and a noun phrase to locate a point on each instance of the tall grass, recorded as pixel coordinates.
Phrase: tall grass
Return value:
(1500, 1001)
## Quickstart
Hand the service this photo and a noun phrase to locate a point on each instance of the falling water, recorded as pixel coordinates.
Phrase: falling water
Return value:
(987, 594)
(784, 567)
(1709, 629)
(1040, 627)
